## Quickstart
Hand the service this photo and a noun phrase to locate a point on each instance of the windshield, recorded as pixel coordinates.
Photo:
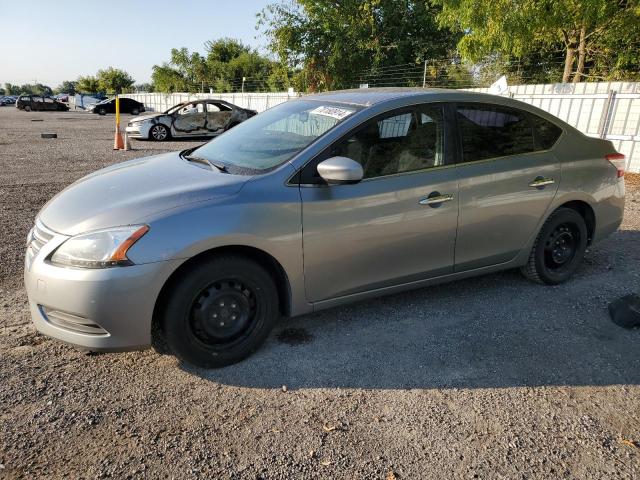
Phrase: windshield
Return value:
(274, 136)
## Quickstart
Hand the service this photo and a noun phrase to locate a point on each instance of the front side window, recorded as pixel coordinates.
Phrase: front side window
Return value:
(271, 138)
(191, 109)
(489, 131)
(396, 143)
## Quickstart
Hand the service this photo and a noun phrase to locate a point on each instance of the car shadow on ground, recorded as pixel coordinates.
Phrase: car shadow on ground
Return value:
(497, 330)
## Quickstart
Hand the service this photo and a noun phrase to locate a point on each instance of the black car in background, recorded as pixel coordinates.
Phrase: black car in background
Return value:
(127, 105)
(39, 102)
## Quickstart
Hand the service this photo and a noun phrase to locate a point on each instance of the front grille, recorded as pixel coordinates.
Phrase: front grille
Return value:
(39, 237)
(72, 323)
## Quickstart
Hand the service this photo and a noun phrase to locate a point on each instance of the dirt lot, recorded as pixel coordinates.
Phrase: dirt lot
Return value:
(492, 377)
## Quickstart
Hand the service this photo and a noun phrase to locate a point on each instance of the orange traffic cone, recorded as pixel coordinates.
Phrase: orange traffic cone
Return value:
(118, 144)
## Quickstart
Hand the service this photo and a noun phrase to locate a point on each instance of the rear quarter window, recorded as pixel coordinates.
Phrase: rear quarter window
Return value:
(546, 133)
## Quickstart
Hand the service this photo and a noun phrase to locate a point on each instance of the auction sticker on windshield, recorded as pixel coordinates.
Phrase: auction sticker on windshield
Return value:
(334, 112)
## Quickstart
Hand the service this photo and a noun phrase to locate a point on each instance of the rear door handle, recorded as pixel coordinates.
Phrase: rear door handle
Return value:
(435, 199)
(542, 182)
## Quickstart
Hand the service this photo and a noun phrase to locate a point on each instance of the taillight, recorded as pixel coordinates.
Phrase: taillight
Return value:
(617, 160)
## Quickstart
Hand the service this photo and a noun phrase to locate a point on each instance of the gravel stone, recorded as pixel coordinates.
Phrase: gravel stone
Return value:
(490, 377)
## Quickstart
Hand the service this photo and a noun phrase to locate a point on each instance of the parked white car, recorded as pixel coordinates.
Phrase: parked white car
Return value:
(201, 118)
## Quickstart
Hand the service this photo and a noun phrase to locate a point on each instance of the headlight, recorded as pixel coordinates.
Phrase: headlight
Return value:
(99, 249)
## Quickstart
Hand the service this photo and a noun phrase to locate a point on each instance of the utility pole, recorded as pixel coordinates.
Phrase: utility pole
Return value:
(424, 75)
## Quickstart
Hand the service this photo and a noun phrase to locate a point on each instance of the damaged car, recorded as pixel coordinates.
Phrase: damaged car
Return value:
(200, 118)
(39, 103)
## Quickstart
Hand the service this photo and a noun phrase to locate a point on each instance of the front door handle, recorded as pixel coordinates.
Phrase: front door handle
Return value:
(541, 182)
(435, 199)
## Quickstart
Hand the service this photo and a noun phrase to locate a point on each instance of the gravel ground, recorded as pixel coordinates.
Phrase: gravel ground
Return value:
(492, 377)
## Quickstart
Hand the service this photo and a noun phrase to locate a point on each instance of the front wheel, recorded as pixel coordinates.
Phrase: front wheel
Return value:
(558, 249)
(159, 132)
(102, 111)
(220, 312)
(27, 108)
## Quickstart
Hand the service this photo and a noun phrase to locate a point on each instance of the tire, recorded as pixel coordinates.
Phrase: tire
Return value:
(27, 108)
(559, 248)
(102, 111)
(220, 312)
(135, 111)
(159, 132)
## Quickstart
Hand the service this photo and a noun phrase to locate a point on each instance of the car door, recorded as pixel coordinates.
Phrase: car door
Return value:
(218, 117)
(37, 103)
(190, 120)
(506, 183)
(398, 224)
(49, 104)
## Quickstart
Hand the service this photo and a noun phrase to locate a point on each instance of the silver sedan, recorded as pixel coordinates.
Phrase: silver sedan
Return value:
(317, 202)
(199, 118)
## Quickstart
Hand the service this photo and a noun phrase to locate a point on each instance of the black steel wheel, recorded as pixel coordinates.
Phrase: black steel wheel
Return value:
(220, 311)
(223, 312)
(558, 249)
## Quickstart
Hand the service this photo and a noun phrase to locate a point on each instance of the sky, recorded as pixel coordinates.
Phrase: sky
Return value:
(48, 41)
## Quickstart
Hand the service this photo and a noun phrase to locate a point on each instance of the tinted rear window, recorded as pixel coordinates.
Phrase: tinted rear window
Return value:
(547, 133)
(489, 131)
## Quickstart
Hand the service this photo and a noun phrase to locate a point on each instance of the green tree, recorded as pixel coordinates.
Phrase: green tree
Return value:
(229, 60)
(11, 89)
(167, 79)
(114, 80)
(68, 86)
(143, 87)
(87, 84)
(32, 89)
(328, 43)
(596, 37)
(222, 67)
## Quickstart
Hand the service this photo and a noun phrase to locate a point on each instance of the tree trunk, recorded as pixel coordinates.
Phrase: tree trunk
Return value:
(582, 53)
(568, 63)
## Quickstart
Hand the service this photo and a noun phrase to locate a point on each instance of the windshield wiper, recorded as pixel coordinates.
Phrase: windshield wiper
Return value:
(193, 158)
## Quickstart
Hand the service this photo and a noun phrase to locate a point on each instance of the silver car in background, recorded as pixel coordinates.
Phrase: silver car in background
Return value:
(317, 202)
(199, 118)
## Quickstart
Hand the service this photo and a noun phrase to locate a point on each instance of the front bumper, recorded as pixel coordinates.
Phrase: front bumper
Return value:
(98, 309)
(137, 131)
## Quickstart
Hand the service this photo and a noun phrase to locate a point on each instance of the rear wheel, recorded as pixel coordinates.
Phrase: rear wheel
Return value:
(27, 108)
(220, 312)
(135, 111)
(558, 249)
(159, 132)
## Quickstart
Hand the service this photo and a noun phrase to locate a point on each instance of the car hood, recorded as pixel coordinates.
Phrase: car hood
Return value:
(146, 116)
(128, 192)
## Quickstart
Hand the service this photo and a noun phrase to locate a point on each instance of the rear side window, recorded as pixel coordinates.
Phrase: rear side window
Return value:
(547, 134)
(489, 131)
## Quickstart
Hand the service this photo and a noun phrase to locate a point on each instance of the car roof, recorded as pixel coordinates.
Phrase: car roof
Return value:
(367, 97)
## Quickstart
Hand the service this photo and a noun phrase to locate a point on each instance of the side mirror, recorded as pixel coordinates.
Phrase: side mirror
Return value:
(340, 171)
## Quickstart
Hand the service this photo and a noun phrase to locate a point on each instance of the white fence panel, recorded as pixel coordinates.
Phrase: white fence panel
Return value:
(159, 102)
(609, 110)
